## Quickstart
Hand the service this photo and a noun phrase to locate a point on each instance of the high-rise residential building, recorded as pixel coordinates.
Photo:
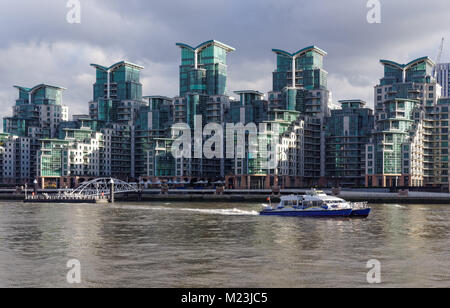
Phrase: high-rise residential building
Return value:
(212, 109)
(203, 88)
(77, 154)
(436, 127)
(203, 74)
(116, 104)
(37, 113)
(154, 122)
(401, 152)
(308, 141)
(251, 108)
(203, 69)
(15, 159)
(297, 108)
(308, 73)
(442, 72)
(114, 86)
(300, 82)
(293, 156)
(348, 130)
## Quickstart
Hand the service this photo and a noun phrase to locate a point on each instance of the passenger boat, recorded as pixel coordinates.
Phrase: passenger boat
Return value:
(316, 204)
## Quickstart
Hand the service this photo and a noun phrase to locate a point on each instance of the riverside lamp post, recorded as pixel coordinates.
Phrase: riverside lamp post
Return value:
(26, 186)
(35, 186)
(111, 191)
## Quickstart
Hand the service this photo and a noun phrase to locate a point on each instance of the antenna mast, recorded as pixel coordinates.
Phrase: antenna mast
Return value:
(439, 56)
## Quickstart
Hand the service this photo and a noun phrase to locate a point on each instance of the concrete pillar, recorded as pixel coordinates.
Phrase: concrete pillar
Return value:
(267, 183)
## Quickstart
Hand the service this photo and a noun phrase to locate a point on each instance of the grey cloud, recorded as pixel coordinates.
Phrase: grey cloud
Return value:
(42, 47)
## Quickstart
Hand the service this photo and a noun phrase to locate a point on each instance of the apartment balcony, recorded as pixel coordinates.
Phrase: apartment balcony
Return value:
(214, 108)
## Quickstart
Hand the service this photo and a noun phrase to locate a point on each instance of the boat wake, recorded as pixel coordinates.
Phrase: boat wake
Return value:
(227, 212)
(398, 206)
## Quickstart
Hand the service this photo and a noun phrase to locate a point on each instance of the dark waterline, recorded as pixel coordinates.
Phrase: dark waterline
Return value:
(220, 245)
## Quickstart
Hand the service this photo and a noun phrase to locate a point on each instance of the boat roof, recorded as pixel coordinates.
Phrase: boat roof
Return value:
(311, 197)
(289, 198)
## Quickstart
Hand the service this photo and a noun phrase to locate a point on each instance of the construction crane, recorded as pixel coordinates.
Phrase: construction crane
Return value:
(439, 56)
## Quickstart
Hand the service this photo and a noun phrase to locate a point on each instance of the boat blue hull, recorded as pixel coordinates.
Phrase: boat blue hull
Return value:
(360, 213)
(328, 213)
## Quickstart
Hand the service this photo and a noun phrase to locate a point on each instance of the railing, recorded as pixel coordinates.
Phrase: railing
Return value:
(62, 197)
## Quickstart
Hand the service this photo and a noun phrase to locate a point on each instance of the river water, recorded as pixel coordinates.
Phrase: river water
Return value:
(219, 245)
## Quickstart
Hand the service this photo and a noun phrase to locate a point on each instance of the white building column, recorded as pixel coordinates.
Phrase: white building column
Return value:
(195, 59)
(293, 72)
(108, 84)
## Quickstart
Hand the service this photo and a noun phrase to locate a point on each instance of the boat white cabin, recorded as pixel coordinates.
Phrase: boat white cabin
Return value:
(313, 199)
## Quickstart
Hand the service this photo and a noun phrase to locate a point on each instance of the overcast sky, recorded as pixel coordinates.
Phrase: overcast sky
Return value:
(38, 45)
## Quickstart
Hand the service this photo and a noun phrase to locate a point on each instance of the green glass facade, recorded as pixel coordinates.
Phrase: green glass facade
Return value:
(81, 122)
(251, 108)
(417, 71)
(51, 158)
(392, 131)
(30, 105)
(37, 113)
(402, 151)
(203, 69)
(348, 130)
(114, 84)
(164, 162)
(309, 72)
(304, 89)
(154, 121)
